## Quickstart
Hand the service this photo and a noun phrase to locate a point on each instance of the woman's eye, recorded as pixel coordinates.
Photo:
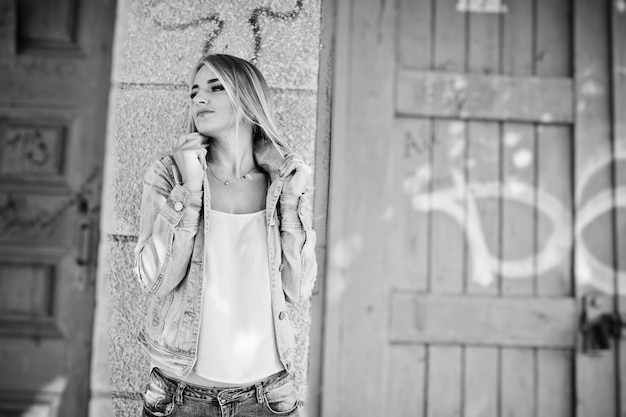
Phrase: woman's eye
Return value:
(217, 88)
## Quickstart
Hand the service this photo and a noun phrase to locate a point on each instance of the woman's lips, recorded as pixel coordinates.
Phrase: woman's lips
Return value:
(203, 113)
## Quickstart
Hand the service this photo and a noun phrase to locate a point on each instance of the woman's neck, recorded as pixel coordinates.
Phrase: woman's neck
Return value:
(232, 153)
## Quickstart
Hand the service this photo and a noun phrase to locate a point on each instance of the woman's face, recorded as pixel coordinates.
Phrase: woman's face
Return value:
(211, 107)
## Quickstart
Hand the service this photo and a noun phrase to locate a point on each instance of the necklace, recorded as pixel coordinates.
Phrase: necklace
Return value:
(228, 182)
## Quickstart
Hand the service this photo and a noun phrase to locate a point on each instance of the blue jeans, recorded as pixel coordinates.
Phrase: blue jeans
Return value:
(170, 397)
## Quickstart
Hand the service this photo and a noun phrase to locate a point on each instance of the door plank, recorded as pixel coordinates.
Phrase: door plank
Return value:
(518, 216)
(418, 318)
(483, 166)
(483, 214)
(448, 248)
(484, 43)
(554, 40)
(415, 34)
(369, 115)
(483, 162)
(619, 173)
(494, 97)
(518, 38)
(409, 211)
(554, 204)
(518, 383)
(481, 382)
(444, 381)
(518, 366)
(518, 158)
(554, 383)
(450, 37)
(595, 375)
(7, 28)
(407, 384)
(336, 232)
(447, 241)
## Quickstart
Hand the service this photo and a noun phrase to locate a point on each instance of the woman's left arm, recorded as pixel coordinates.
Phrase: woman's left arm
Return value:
(299, 265)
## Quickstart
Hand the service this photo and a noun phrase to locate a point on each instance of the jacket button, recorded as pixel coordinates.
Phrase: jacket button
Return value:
(302, 210)
(280, 267)
(178, 206)
(281, 315)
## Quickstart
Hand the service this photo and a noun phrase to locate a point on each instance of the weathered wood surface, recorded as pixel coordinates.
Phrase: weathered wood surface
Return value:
(445, 381)
(481, 382)
(483, 166)
(494, 97)
(448, 255)
(595, 375)
(554, 181)
(479, 223)
(356, 241)
(454, 319)
(407, 381)
(555, 373)
(335, 276)
(618, 36)
(54, 80)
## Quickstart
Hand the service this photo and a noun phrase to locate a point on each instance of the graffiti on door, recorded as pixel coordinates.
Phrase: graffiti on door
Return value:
(459, 200)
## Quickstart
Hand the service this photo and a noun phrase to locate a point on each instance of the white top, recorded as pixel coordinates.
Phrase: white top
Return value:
(237, 342)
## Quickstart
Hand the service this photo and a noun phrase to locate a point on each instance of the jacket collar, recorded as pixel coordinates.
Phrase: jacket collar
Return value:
(268, 157)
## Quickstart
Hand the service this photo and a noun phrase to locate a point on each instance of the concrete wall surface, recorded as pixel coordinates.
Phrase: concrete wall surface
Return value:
(157, 42)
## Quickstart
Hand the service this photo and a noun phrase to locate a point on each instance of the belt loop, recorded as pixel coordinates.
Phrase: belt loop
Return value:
(178, 397)
(259, 392)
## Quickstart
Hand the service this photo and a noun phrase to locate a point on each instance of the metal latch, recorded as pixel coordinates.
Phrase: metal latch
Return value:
(600, 324)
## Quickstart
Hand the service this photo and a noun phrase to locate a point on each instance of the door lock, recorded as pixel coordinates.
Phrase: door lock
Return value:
(600, 325)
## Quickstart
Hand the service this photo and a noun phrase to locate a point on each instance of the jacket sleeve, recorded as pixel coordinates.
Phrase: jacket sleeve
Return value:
(299, 266)
(168, 224)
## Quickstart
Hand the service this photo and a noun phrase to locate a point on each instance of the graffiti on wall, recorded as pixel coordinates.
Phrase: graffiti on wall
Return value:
(460, 199)
(253, 18)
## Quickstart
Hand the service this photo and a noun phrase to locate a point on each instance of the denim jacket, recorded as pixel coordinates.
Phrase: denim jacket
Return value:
(169, 259)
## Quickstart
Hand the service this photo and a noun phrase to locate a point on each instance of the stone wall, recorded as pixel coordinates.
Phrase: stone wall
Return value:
(157, 42)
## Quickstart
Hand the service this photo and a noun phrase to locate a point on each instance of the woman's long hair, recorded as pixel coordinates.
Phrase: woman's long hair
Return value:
(248, 94)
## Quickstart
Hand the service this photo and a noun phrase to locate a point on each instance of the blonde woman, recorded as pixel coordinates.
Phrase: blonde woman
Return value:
(225, 242)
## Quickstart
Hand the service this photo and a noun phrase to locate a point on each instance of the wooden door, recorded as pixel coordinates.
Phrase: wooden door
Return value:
(471, 196)
(54, 82)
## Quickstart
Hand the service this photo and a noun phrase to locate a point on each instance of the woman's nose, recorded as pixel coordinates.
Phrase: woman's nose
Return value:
(201, 101)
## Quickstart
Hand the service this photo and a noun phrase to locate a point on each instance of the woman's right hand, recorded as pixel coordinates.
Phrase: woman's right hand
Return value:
(190, 156)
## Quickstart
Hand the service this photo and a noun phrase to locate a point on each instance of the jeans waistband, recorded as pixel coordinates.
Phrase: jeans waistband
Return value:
(179, 389)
